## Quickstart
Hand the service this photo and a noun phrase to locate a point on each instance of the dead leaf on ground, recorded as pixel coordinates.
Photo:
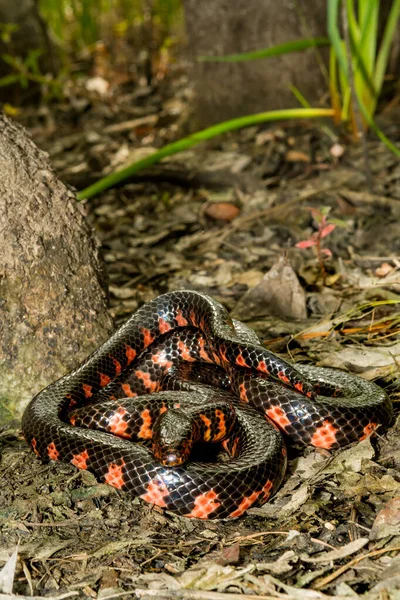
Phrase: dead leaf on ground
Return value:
(387, 521)
(221, 211)
(279, 293)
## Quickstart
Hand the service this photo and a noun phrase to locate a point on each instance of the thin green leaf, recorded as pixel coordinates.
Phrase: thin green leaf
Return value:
(333, 86)
(334, 36)
(376, 129)
(369, 18)
(387, 40)
(363, 47)
(10, 60)
(9, 79)
(295, 46)
(299, 96)
(200, 136)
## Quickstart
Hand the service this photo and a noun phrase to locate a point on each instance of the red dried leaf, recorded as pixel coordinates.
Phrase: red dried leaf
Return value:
(327, 230)
(306, 244)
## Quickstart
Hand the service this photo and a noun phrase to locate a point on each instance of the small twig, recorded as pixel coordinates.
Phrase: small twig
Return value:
(15, 597)
(201, 595)
(323, 582)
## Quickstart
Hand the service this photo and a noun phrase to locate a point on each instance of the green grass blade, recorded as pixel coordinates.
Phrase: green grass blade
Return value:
(371, 123)
(333, 87)
(369, 18)
(299, 97)
(353, 23)
(277, 50)
(383, 54)
(334, 36)
(192, 140)
(365, 54)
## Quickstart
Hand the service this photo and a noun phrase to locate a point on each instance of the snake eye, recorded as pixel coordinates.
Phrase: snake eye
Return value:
(172, 460)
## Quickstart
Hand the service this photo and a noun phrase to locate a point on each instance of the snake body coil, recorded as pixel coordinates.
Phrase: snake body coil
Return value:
(72, 419)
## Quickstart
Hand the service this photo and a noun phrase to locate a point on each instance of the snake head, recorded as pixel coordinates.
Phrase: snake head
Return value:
(174, 434)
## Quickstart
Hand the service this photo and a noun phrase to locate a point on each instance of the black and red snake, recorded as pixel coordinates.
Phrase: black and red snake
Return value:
(142, 386)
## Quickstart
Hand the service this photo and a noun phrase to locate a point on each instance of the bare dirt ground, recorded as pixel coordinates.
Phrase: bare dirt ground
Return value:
(218, 219)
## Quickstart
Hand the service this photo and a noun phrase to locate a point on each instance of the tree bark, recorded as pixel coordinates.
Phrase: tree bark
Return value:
(227, 90)
(53, 307)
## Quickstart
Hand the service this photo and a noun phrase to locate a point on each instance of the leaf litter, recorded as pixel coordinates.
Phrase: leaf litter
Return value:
(226, 220)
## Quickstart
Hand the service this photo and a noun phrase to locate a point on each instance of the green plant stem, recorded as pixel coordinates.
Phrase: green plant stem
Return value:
(355, 102)
(277, 50)
(200, 136)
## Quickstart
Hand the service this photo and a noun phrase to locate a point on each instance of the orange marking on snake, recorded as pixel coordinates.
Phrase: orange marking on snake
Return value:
(325, 436)
(299, 387)
(104, 379)
(34, 446)
(193, 318)
(117, 365)
(151, 386)
(156, 492)
(221, 427)
(241, 362)
(128, 390)
(52, 451)
(368, 430)
(245, 504)
(163, 408)
(130, 354)
(216, 358)
(243, 392)
(117, 425)
(277, 415)
(284, 451)
(145, 431)
(163, 325)
(262, 366)
(148, 337)
(80, 460)
(203, 354)
(222, 354)
(285, 379)
(87, 390)
(72, 419)
(267, 488)
(180, 319)
(72, 402)
(114, 476)
(185, 352)
(207, 432)
(204, 505)
(159, 358)
(232, 451)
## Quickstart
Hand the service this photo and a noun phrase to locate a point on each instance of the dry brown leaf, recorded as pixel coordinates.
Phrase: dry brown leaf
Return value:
(296, 156)
(338, 553)
(279, 293)
(387, 521)
(221, 211)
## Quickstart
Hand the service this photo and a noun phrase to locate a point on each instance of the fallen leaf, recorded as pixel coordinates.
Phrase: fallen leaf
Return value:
(279, 293)
(296, 156)
(282, 565)
(7, 573)
(384, 270)
(338, 553)
(387, 521)
(221, 211)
